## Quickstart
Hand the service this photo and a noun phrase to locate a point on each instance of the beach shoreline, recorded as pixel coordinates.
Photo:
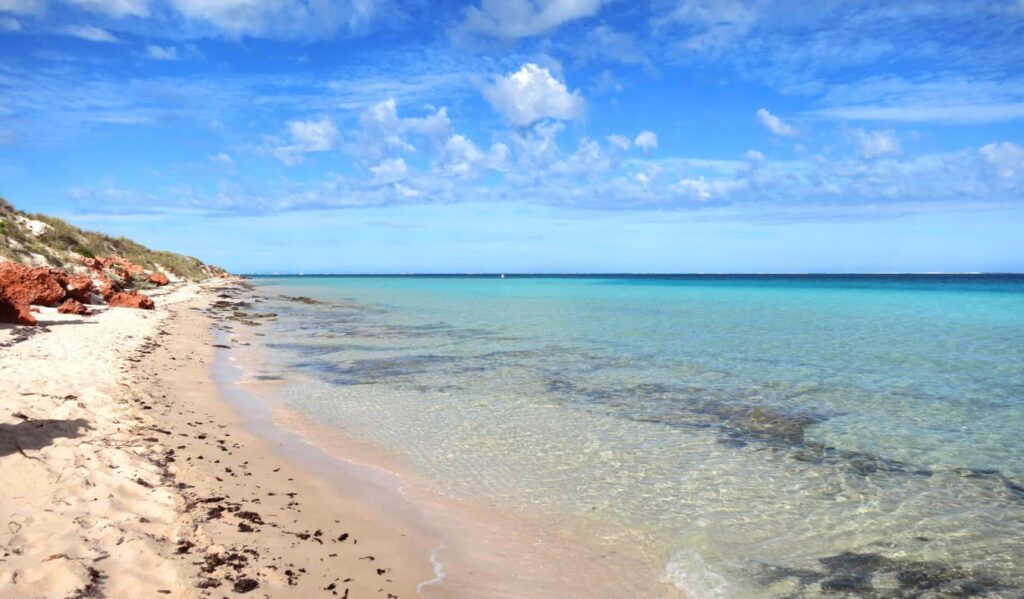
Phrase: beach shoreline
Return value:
(133, 478)
(210, 489)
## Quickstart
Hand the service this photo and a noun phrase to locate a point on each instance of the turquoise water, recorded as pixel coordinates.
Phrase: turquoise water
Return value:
(754, 436)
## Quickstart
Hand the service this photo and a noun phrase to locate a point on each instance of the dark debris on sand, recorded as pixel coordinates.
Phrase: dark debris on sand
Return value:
(241, 568)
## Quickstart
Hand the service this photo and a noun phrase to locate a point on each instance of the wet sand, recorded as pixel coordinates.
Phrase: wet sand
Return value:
(474, 550)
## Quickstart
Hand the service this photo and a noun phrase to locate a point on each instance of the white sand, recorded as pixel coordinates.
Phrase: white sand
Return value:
(77, 507)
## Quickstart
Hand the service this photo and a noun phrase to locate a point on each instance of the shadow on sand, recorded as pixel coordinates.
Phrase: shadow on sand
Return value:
(37, 434)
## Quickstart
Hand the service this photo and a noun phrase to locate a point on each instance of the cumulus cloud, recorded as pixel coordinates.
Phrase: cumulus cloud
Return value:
(774, 124)
(460, 156)
(536, 148)
(1006, 158)
(589, 161)
(383, 131)
(161, 52)
(646, 141)
(874, 144)
(115, 8)
(389, 171)
(532, 93)
(513, 19)
(307, 136)
(89, 33)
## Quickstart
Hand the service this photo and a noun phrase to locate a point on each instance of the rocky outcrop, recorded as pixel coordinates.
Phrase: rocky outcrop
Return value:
(80, 288)
(73, 306)
(32, 285)
(17, 314)
(130, 299)
(107, 286)
(21, 286)
(122, 266)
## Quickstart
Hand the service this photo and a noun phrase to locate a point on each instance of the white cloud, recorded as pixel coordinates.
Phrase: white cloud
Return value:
(223, 159)
(605, 42)
(279, 18)
(513, 19)
(714, 24)
(619, 142)
(874, 144)
(161, 52)
(9, 24)
(435, 127)
(389, 171)
(531, 94)
(921, 113)
(605, 83)
(89, 33)
(23, 7)
(702, 189)
(307, 136)
(115, 8)
(383, 131)
(646, 141)
(460, 156)
(589, 161)
(1007, 158)
(537, 148)
(755, 156)
(314, 136)
(774, 124)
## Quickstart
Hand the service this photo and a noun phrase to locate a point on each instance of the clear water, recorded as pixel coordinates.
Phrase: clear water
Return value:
(759, 436)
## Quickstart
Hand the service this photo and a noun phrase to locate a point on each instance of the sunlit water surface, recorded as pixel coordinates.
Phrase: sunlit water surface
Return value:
(759, 436)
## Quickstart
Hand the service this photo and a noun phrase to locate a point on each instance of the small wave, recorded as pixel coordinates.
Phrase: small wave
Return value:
(438, 569)
(689, 573)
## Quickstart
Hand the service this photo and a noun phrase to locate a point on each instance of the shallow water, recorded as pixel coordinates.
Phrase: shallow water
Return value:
(759, 436)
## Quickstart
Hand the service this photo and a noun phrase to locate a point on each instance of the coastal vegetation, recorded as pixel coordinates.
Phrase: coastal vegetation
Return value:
(43, 240)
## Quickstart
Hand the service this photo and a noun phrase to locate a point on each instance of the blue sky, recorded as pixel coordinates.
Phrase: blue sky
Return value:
(525, 135)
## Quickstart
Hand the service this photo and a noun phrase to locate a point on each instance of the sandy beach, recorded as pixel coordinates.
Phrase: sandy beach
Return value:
(128, 477)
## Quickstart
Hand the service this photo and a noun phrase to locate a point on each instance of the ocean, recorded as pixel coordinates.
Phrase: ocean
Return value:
(753, 436)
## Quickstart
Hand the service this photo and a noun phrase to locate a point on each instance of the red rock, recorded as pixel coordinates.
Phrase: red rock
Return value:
(80, 288)
(131, 299)
(90, 263)
(16, 314)
(119, 264)
(106, 286)
(73, 306)
(22, 286)
(159, 279)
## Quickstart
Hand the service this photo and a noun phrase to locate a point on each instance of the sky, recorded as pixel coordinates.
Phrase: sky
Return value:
(386, 136)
